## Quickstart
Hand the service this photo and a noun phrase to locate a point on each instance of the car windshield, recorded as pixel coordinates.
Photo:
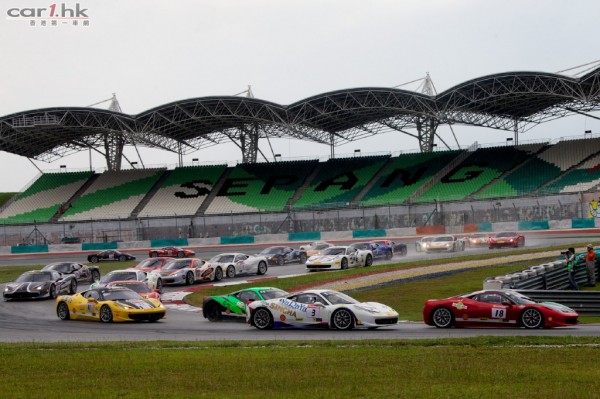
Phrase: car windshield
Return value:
(59, 267)
(505, 235)
(519, 299)
(273, 293)
(334, 251)
(321, 246)
(116, 276)
(222, 259)
(337, 298)
(150, 263)
(478, 235)
(119, 295)
(443, 238)
(362, 245)
(34, 277)
(139, 287)
(177, 264)
(427, 239)
(272, 250)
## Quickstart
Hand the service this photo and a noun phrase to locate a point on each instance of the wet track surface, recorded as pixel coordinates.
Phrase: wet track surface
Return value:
(36, 320)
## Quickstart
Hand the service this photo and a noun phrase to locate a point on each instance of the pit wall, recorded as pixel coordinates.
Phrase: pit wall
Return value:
(296, 238)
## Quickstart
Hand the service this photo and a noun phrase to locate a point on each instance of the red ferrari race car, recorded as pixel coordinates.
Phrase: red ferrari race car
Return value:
(506, 239)
(174, 252)
(496, 308)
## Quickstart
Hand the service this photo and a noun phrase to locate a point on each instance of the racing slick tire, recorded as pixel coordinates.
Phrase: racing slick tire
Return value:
(94, 259)
(532, 318)
(342, 319)
(73, 287)
(154, 254)
(212, 311)
(122, 258)
(262, 319)
(262, 268)
(302, 258)
(281, 262)
(62, 311)
(159, 285)
(368, 261)
(52, 292)
(403, 251)
(95, 275)
(344, 264)
(180, 254)
(106, 315)
(218, 274)
(388, 255)
(230, 271)
(442, 318)
(189, 278)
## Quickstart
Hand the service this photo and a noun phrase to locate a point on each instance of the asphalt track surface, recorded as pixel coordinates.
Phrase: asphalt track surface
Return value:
(36, 321)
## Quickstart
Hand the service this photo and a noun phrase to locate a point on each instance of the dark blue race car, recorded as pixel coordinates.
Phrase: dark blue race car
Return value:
(378, 251)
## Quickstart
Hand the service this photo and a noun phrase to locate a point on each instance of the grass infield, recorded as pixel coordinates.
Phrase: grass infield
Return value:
(484, 367)
(523, 367)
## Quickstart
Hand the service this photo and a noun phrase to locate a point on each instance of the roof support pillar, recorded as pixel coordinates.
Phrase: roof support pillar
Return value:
(516, 130)
(426, 128)
(249, 143)
(113, 149)
(331, 145)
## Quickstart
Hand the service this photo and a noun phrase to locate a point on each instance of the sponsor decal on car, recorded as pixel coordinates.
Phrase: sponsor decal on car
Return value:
(459, 305)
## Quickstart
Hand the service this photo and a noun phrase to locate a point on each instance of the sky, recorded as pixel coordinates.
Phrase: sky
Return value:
(153, 52)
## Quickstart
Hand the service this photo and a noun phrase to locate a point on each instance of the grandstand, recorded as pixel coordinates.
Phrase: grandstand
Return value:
(113, 195)
(183, 192)
(511, 102)
(266, 187)
(44, 198)
(569, 166)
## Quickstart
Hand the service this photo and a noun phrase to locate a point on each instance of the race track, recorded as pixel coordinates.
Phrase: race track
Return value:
(36, 321)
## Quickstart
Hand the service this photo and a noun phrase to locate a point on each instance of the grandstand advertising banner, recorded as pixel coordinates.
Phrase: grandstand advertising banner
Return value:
(592, 201)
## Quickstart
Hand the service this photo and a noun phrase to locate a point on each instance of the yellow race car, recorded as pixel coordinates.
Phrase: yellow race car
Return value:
(109, 304)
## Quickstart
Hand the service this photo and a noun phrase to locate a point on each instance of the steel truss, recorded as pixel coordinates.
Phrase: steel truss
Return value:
(513, 102)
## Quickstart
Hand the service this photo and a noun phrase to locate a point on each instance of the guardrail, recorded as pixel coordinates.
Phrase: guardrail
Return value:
(586, 303)
(549, 282)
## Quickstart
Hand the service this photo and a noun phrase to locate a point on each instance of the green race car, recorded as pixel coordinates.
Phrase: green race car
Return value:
(216, 308)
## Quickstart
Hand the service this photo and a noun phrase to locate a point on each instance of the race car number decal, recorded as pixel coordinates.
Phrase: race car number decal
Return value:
(313, 311)
(498, 313)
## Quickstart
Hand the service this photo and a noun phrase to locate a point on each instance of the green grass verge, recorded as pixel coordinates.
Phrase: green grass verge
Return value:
(524, 367)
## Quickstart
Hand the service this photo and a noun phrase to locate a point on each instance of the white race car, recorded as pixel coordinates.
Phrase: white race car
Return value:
(340, 258)
(319, 308)
(189, 270)
(446, 243)
(238, 263)
(153, 278)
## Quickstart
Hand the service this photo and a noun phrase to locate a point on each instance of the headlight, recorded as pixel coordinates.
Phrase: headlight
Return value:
(367, 308)
(124, 306)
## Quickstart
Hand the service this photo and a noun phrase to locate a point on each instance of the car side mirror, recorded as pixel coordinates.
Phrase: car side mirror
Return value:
(92, 300)
(319, 304)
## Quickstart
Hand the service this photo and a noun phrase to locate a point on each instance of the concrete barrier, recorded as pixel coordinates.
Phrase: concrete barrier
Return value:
(169, 242)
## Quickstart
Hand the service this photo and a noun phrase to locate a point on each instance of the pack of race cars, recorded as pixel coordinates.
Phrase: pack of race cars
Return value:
(134, 294)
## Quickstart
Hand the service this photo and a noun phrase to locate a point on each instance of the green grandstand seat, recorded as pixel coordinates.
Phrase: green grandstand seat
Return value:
(404, 175)
(44, 198)
(339, 181)
(260, 187)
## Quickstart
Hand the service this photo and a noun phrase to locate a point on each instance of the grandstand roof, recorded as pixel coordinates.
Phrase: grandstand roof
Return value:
(500, 101)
